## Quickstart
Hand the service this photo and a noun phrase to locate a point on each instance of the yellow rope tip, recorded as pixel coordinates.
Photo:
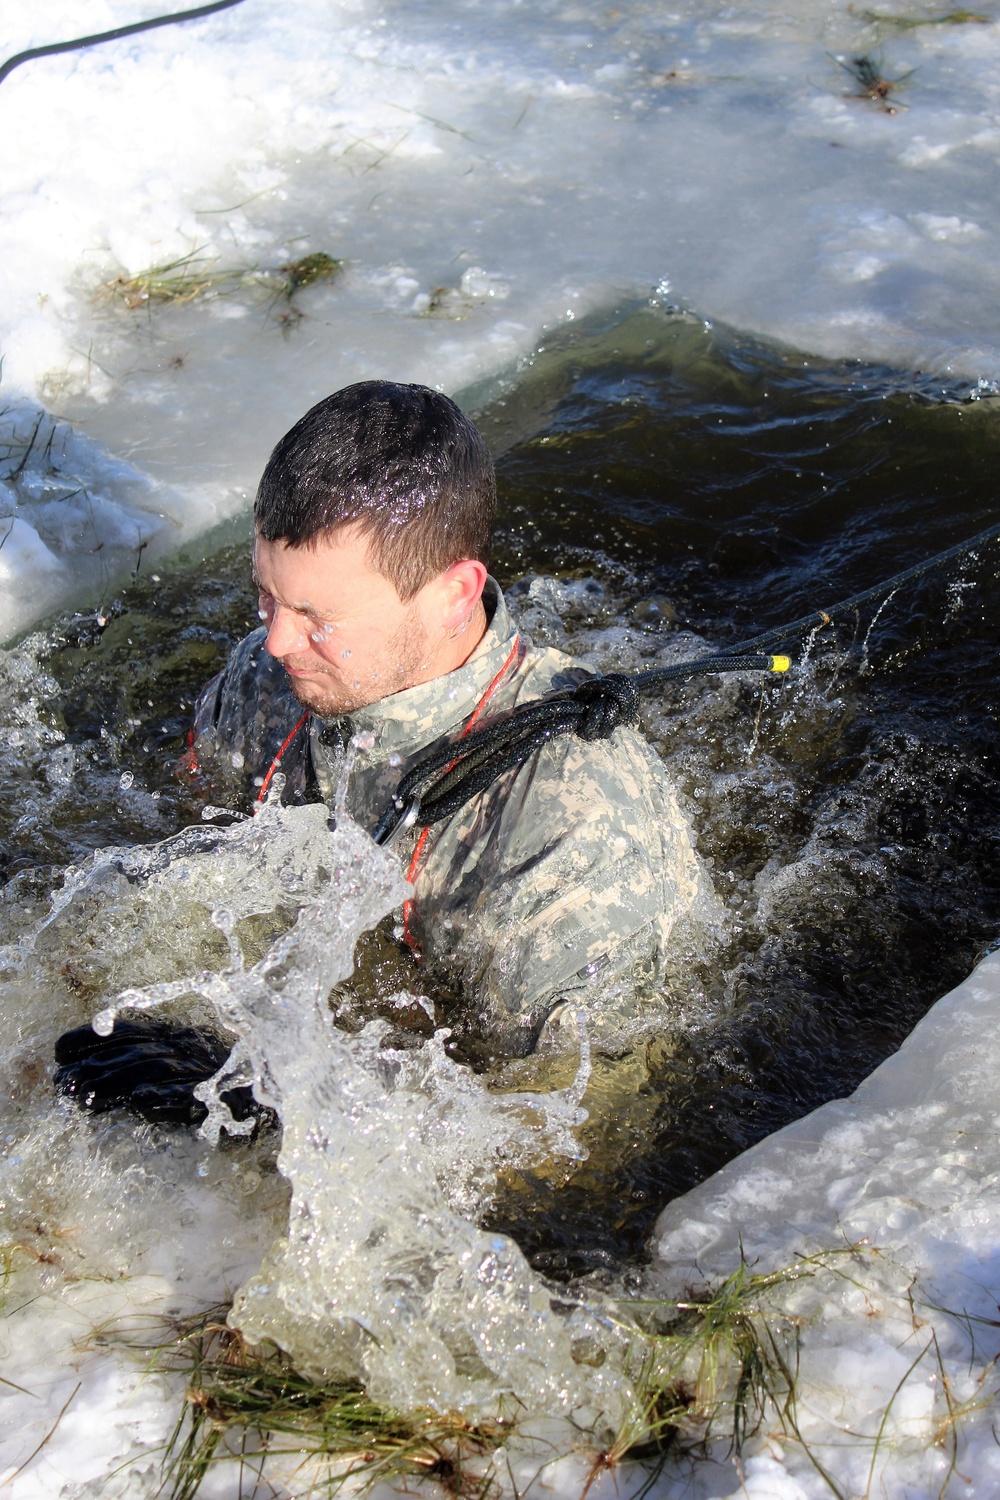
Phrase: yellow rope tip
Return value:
(780, 663)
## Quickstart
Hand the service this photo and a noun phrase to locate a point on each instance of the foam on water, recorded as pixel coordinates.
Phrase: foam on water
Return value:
(395, 1286)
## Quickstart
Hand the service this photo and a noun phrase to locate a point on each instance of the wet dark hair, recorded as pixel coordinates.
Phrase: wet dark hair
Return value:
(401, 462)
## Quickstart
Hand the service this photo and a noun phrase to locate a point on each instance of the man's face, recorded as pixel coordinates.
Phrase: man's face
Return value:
(338, 626)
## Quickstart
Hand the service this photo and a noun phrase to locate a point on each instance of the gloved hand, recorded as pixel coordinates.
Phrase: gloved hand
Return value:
(149, 1068)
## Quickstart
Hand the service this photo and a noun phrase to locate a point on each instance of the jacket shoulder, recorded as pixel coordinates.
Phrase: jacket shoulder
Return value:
(245, 714)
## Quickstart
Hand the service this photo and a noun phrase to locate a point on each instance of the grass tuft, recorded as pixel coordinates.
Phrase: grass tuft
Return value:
(197, 275)
(245, 1401)
(181, 280)
(712, 1367)
(310, 269)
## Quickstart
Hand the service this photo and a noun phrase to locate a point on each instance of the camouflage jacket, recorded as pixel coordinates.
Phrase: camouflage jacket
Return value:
(563, 879)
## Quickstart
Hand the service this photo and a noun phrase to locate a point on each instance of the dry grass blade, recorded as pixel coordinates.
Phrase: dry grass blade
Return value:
(911, 23)
(199, 275)
(35, 1451)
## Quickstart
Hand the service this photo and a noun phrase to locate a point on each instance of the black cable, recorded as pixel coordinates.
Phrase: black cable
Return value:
(111, 36)
(445, 779)
(819, 617)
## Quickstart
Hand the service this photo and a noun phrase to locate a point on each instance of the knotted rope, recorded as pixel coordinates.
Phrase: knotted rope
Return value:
(446, 778)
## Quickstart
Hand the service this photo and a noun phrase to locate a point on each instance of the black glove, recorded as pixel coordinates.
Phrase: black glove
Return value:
(149, 1068)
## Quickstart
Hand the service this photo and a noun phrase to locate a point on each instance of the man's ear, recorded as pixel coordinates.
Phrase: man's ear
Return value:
(461, 588)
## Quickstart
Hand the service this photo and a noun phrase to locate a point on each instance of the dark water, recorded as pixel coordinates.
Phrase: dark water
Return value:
(850, 815)
(748, 487)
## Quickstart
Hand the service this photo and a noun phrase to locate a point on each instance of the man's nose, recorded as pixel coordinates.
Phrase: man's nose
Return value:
(286, 632)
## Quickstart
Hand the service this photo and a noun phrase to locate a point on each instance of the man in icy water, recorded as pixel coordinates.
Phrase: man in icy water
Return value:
(384, 636)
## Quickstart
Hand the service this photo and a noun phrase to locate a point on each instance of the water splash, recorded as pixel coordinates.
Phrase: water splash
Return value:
(393, 1154)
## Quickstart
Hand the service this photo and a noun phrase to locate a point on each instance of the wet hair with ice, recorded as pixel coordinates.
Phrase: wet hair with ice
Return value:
(401, 462)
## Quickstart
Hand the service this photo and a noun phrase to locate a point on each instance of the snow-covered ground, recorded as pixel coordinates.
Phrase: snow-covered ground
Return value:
(898, 1339)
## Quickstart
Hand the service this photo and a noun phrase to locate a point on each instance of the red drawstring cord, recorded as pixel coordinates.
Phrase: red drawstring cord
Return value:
(421, 845)
(276, 762)
(189, 760)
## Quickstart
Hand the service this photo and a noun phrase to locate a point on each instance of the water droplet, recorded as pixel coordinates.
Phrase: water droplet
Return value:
(125, 780)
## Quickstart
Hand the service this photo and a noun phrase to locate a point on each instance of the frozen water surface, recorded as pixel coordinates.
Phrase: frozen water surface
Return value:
(901, 1335)
(486, 173)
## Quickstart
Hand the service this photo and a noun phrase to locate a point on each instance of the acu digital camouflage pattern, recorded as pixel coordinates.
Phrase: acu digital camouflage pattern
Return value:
(557, 885)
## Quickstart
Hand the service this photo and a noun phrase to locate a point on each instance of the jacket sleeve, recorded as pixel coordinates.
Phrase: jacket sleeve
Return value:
(242, 719)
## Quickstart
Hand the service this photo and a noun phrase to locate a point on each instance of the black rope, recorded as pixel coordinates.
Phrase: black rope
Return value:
(111, 36)
(445, 779)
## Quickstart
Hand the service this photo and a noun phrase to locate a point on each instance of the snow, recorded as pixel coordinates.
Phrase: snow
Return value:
(72, 516)
(906, 1169)
(486, 172)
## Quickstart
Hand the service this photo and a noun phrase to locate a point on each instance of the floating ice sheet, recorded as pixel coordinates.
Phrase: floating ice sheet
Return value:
(895, 1354)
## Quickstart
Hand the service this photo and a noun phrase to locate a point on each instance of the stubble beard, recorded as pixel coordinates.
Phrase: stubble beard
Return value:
(400, 663)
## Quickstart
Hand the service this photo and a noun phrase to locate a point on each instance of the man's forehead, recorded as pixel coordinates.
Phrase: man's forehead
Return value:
(322, 577)
(327, 549)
